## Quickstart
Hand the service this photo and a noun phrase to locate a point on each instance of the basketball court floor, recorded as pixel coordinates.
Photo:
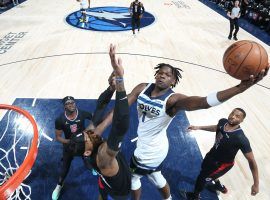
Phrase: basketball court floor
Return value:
(46, 53)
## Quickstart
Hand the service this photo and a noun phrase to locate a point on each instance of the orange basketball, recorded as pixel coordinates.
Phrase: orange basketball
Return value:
(245, 58)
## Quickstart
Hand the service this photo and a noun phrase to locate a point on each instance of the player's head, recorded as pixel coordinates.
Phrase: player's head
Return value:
(236, 3)
(236, 116)
(167, 76)
(92, 142)
(69, 103)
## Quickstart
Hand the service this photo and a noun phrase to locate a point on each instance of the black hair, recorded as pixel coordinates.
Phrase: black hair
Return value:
(242, 111)
(175, 71)
(67, 98)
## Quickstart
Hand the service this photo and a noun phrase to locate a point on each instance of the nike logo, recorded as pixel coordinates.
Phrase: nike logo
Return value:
(66, 123)
(123, 98)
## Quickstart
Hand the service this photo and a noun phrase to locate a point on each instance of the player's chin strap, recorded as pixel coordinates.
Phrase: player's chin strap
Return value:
(212, 99)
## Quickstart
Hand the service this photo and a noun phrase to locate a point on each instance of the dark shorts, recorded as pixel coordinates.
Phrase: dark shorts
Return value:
(136, 169)
(119, 186)
(215, 169)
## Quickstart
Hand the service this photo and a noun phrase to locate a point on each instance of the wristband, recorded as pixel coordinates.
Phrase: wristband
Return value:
(212, 99)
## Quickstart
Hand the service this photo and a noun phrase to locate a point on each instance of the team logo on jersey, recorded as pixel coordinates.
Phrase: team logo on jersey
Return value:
(151, 110)
(73, 128)
(107, 19)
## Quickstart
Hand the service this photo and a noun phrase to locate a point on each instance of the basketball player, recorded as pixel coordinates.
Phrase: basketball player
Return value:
(220, 159)
(157, 104)
(136, 10)
(84, 4)
(234, 14)
(72, 122)
(104, 156)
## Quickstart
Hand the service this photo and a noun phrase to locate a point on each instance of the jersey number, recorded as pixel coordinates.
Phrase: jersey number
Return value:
(143, 116)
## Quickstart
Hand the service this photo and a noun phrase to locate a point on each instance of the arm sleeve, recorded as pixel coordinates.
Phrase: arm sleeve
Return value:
(221, 122)
(120, 123)
(102, 103)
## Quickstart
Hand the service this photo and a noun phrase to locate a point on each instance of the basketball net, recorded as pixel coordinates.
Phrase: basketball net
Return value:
(18, 157)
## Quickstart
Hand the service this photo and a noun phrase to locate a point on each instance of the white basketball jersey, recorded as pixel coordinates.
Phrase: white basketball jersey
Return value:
(152, 144)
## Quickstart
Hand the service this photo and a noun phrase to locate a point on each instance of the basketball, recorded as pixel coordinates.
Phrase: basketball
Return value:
(245, 58)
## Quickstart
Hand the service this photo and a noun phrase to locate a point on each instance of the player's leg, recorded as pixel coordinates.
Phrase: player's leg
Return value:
(66, 162)
(160, 182)
(215, 185)
(236, 29)
(133, 23)
(138, 23)
(231, 28)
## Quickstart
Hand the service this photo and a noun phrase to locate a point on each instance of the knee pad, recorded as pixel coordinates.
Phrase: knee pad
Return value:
(157, 179)
(135, 182)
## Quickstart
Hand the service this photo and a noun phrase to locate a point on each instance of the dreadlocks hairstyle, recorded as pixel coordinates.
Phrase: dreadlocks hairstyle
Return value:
(175, 71)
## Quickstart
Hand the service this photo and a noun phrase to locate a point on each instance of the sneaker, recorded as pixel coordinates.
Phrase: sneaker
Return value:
(56, 192)
(235, 38)
(217, 187)
(221, 188)
(229, 37)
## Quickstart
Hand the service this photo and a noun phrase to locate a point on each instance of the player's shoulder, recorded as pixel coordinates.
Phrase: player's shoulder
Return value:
(84, 112)
(242, 138)
(241, 134)
(222, 121)
(177, 96)
(60, 117)
(141, 86)
(138, 89)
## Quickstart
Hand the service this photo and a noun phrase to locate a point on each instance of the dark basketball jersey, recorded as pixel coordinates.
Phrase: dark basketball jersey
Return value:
(228, 143)
(74, 126)
(137, 8)
(118, 185)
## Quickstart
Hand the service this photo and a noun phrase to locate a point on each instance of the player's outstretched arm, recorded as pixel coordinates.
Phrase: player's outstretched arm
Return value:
(120, 122)
(211, 128)
(243, 86)
(132, 97)
(179, 102)
(107, 151)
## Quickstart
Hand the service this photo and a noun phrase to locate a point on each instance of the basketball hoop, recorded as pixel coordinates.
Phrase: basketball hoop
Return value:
(7, 189)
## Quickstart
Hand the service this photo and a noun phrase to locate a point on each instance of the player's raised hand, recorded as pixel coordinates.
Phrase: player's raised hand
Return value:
(116, 63)
(245, 84)
(111, 81)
